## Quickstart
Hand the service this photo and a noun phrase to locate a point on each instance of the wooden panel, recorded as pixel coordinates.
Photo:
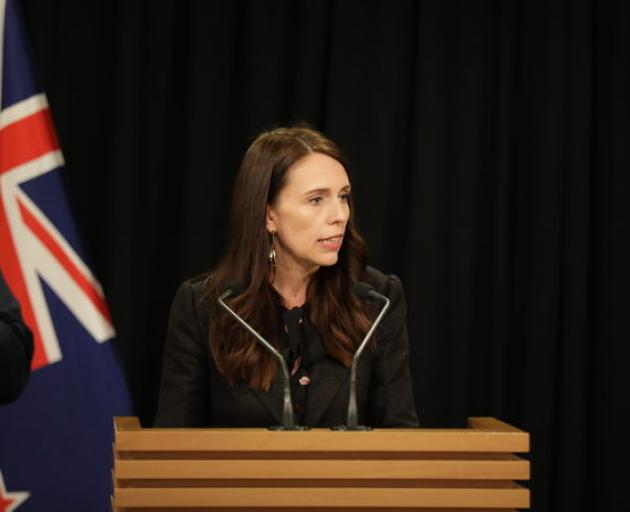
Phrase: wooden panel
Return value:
(389, 440)
(313, 509)
(514, 469)
(515, 497)
(311, 456)
(481, 422)
(303, 483)
(126, 423)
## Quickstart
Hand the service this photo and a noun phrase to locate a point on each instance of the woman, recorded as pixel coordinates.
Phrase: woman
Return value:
(294, 245)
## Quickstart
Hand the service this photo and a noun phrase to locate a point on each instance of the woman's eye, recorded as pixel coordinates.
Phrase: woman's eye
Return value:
(315, 200)
(345, 197)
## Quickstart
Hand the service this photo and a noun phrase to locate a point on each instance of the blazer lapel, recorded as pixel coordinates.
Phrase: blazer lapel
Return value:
(328, 378)
(273, 399)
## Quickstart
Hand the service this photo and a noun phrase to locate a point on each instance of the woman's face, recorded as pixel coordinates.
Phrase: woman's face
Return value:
(310, 214)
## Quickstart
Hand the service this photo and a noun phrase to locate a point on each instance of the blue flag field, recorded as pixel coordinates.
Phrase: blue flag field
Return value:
(55, 440)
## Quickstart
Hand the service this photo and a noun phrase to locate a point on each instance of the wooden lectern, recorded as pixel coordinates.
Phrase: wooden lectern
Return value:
(316, 470)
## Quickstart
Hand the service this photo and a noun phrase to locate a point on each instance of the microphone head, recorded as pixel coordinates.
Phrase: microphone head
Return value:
(233, 288)
(363, 289)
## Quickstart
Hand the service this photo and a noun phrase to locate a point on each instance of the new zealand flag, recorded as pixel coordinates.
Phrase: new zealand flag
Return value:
(55, 440)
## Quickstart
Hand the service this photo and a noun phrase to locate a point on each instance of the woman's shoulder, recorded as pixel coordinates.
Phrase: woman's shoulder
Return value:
(192, 292)
(191, 304)
(198, 283)
(383, 283)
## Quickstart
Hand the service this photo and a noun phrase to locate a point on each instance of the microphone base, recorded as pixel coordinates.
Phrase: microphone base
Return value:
(346, 428)
(279, 428)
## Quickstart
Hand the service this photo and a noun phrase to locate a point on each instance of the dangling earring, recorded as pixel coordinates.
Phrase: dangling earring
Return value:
(272, 250)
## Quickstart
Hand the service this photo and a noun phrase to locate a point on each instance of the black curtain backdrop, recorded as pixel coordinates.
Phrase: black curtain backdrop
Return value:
(489, 142)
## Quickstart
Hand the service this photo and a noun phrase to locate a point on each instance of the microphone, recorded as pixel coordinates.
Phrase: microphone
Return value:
(233, 289)
(365, 291)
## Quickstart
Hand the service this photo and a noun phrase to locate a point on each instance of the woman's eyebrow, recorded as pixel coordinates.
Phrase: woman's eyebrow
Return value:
(345, 188)
(317, 191)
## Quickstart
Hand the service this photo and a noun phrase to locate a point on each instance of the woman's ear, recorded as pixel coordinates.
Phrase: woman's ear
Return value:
(270, 222)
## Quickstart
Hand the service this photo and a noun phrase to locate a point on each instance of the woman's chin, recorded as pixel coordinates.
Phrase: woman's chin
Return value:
(329, 259)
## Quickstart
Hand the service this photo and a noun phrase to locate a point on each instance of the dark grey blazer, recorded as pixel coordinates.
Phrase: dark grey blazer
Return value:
(194, 394)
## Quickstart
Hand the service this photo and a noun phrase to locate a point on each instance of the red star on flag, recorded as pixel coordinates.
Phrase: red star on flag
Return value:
(10, 501)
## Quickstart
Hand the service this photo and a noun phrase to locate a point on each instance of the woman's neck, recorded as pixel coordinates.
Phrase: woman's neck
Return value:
(292, 285)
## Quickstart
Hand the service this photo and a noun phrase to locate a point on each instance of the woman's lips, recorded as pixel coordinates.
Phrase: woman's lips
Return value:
(332, 243)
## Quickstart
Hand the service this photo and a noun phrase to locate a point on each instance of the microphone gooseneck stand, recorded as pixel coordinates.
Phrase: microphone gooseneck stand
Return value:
(364, 291)
(288, 421)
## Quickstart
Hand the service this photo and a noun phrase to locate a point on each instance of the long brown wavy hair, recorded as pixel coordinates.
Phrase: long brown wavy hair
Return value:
(338, 315)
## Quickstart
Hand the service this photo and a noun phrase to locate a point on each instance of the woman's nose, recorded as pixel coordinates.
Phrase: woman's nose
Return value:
(339, 212)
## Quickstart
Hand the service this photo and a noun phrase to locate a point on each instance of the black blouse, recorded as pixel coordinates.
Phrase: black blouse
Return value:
(302, 349)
